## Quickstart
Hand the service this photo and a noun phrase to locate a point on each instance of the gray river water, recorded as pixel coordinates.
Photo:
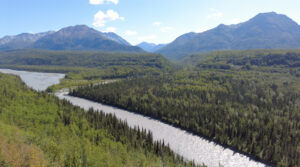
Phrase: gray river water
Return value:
(183, 143)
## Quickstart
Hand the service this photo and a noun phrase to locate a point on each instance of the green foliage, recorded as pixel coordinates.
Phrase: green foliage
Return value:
(80, 59)
(253, 107)
(255, 57)
(38, 129)
(83, 68)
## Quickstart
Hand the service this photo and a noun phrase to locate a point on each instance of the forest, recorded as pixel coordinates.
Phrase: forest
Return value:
(38, 129)
(247, 100)
(85, 67)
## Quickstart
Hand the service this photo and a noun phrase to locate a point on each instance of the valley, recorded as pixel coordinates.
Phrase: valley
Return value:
(249, 106)
(214, 84)
(83, 95)
(52, 132)
(191, 147)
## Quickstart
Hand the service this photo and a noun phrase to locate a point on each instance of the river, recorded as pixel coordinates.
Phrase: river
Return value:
(189, 146)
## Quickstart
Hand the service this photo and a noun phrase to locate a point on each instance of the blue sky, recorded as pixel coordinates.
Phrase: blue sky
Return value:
(157, 21)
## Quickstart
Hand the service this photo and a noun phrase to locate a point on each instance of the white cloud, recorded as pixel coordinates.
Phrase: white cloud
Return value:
(235, 21)
(130, 33)
(110, 29)
(96, 2)
(166, 29)
(100, 2)
(147, 38)
(215, 14)
(101, 18)
(156, 23)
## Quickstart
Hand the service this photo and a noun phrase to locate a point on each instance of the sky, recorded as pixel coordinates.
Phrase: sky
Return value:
(156, 21)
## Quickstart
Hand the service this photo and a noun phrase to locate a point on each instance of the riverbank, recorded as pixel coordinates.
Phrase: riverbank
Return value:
(181, 142)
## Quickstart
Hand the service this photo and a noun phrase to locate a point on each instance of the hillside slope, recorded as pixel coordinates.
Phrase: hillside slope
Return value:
(248, 100)
(37, 129)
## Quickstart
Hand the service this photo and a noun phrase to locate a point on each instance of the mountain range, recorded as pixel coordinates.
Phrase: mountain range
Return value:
(21, 41)
(78, 37)
(264, 31)
(151, 47)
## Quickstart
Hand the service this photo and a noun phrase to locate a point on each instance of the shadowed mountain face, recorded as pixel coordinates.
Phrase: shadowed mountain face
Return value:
(264, 31)
(150, 47)
(78, 37)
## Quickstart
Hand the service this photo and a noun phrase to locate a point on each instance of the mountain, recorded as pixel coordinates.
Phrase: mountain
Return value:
(78, 37)
(82, 37)
(150, 47)
(21, 41)
(264, 31)
(114, 37)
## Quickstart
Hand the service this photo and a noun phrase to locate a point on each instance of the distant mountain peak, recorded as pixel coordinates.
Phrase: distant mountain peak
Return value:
(267, 14)
(150, 47)
(264, 31)
(78, 37)
(21, 41)
(84, 31)
(273, 18)
(76, 27)
(78, 31)
(148, 43)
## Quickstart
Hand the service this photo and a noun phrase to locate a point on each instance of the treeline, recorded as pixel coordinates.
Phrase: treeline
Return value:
(81, 59)
(38, 129)
(115, 65)
(288, 58)
(254, 110)
(85, 67)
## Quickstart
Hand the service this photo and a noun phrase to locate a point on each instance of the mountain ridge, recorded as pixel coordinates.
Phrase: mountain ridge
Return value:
(150, 47)
(21, 41)
(264, 31)
(78, 37)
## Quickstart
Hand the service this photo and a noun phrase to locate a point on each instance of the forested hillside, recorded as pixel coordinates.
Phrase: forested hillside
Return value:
(255, 58)
(82, 68)
(38, 129)
(249, 100)
(79, 59)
